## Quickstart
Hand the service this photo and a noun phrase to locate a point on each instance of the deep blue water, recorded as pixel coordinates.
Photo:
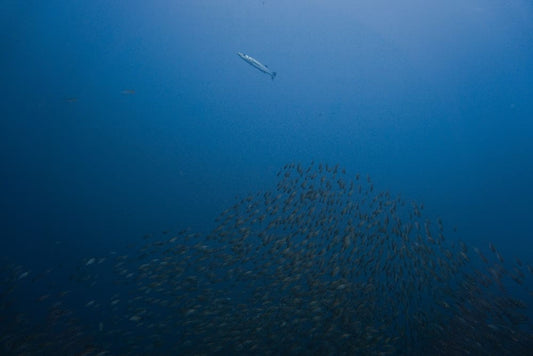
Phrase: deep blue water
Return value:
(431, 99)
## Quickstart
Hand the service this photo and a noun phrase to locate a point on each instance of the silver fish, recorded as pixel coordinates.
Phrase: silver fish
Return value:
(254, 62)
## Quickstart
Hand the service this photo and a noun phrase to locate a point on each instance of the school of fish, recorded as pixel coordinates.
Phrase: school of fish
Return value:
(322, 264)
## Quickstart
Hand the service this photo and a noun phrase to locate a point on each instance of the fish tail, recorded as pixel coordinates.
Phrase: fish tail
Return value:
(273, 75)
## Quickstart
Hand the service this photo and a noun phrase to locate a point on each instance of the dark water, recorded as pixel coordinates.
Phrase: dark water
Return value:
(127, 129)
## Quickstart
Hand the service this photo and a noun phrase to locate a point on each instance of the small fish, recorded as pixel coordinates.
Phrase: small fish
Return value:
(90, 303)
(127, 92)
(135, 318)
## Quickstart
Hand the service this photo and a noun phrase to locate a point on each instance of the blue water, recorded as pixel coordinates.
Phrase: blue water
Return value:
(431, 99)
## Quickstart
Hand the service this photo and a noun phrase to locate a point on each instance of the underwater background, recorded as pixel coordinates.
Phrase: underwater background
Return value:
(133, 123)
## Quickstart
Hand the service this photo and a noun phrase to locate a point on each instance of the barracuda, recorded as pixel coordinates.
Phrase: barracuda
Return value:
(254, 62)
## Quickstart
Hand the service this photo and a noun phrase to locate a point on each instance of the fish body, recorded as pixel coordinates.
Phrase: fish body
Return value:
(254, 62)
